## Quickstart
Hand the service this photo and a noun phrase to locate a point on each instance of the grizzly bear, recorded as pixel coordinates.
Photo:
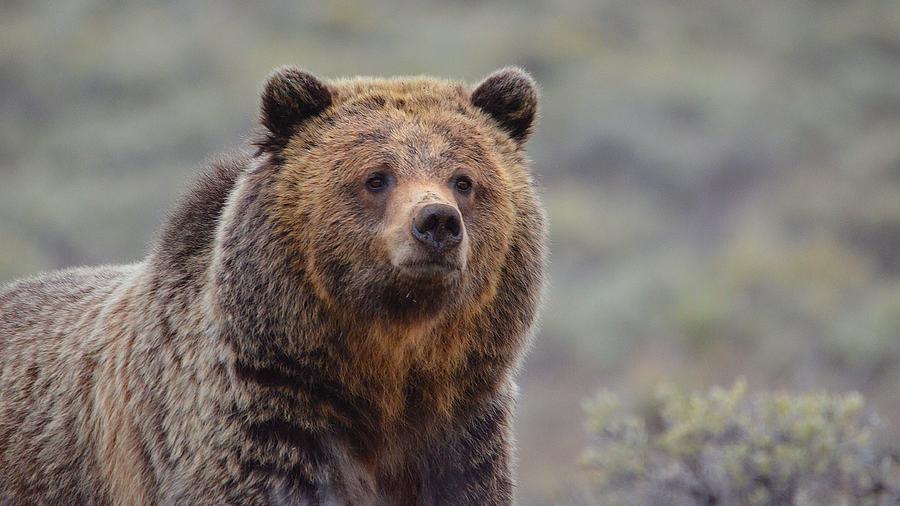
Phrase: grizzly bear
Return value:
(334, 317)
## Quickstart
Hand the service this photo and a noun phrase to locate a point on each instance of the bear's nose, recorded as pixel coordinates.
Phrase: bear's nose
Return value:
(438, 226)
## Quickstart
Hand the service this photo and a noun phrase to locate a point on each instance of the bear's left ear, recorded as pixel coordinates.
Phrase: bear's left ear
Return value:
(290, 97)
(510, 97)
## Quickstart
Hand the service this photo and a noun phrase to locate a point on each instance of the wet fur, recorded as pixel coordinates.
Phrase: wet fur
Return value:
(259, 357)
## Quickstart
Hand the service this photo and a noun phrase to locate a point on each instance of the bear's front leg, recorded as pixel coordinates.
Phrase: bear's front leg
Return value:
(473, 466)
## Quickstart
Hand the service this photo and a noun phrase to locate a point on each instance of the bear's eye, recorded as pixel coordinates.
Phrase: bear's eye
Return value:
(376, 182)
(463, 184)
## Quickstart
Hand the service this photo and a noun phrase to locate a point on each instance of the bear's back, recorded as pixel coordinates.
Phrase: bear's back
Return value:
(35, 308)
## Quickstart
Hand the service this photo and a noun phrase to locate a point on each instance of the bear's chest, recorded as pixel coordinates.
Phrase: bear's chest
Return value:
(348, 480)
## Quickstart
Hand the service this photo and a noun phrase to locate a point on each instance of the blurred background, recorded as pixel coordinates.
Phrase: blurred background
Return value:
(722, 177)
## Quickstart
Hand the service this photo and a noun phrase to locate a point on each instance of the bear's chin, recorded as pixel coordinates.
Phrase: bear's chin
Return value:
(412, 296)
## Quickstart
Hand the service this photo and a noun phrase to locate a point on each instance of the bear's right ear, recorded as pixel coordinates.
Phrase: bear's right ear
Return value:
(290, 97)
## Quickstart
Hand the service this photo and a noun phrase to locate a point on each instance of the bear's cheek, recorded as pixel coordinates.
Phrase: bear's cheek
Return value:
(489, 225)
(349, 225)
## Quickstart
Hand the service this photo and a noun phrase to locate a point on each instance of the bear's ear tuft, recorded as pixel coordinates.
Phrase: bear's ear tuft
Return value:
(510, 97)
(290, 97)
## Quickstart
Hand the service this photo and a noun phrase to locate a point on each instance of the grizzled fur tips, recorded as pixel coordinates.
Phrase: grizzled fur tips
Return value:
(336, 318)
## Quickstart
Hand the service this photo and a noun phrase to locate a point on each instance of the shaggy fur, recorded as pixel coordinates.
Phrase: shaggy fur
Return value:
(280, 344)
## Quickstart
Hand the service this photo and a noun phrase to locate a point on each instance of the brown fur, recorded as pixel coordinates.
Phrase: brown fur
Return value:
(279, 345)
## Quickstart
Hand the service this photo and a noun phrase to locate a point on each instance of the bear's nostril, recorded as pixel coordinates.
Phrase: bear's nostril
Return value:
(438, 226)
(453, 225)
(428, 224)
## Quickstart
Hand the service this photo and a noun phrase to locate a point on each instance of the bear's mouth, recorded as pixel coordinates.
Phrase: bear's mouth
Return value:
(429, 268)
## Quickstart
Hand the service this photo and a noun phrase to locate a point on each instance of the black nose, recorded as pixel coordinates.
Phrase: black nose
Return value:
(438, 226)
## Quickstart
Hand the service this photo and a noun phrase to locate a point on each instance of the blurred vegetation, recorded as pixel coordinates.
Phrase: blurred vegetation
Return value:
(722, 177)
(724, 447)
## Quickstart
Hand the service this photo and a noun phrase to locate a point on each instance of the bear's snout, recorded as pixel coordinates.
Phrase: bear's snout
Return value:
(438, 227)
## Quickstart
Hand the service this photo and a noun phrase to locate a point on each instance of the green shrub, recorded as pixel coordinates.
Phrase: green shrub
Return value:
(725, 447)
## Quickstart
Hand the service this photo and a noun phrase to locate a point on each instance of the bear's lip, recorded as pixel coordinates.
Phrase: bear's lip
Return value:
(433, 268)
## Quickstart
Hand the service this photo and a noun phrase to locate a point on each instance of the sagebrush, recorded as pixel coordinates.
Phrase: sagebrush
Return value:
(728, 447)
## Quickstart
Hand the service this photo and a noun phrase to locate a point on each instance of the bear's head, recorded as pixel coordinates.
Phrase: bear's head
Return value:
(402, 196)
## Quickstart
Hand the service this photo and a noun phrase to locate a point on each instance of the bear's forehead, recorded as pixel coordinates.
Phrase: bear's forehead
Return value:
(407, 124)
(409, 144)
